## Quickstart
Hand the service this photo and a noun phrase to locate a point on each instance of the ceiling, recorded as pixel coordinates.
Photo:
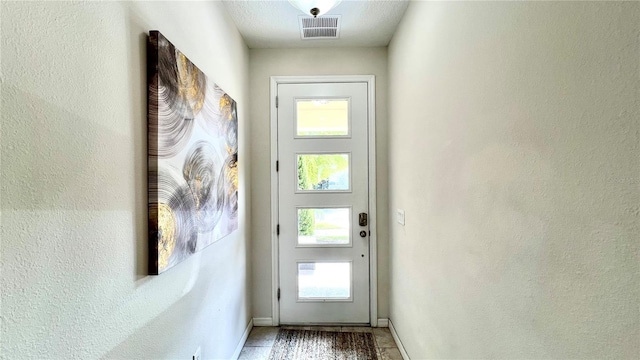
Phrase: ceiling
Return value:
(274, 24)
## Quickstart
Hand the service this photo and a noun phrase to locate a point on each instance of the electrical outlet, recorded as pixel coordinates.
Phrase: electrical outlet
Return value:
(400, 216)
(196, 355)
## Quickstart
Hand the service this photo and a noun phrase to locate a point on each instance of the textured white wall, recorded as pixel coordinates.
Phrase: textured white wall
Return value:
(514, 149)
(74, 213)
(265, 63)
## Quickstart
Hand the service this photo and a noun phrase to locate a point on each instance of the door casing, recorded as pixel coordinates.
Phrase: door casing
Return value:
(371, 148)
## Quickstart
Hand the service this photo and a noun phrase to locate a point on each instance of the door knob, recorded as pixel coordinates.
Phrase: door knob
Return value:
(363, 233)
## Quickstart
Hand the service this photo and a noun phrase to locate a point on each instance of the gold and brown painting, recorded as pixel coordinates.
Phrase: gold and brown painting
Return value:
(193, 157)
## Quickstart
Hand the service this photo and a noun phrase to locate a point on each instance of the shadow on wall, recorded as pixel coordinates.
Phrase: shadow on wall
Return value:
(173, 334)
(137, 59)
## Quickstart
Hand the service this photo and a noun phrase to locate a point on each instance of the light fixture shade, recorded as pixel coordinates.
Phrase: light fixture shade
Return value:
(322, 5)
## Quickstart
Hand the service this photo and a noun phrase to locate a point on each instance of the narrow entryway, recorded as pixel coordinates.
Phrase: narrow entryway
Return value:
(261, 340)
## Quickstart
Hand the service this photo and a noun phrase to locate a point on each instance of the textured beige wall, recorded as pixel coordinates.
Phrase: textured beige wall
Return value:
(265, 63)
(74, 213)
(514, 134)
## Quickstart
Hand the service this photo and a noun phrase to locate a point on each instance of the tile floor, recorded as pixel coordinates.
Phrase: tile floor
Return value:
(261, 339)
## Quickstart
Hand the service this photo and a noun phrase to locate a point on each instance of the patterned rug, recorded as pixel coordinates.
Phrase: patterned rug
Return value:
(323, 345)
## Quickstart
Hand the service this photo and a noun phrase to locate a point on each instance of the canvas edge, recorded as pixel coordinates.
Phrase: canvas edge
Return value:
(152, 161)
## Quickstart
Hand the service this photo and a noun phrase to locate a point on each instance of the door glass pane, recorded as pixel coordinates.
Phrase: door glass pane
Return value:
(323, 172)
(322, 117)
(328, 226)
(324, 280)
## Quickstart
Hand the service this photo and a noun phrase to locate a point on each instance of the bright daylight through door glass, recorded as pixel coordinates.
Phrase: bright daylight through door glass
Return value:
(324, 280)
(321, 117)
(324, 227)
(323, 172)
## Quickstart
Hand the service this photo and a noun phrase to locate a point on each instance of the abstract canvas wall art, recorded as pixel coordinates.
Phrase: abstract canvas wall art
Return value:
(193, 157)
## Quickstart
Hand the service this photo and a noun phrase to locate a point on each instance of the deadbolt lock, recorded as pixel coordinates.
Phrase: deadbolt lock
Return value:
(362, 219)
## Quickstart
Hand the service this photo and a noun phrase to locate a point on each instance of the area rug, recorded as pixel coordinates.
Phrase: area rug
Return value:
(323, 345)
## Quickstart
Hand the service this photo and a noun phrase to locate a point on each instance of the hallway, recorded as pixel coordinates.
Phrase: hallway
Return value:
(507, 198)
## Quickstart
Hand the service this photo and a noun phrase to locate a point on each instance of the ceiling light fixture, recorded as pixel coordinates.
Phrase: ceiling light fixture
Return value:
(315, 7)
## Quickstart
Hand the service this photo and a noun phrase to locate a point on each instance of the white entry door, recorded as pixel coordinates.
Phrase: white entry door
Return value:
(323, 203)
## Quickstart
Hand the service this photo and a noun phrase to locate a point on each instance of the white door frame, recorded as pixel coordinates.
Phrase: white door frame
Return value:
(371, 126)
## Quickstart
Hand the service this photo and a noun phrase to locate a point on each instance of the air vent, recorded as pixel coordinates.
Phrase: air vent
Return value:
(320, 33)
(321, 22)
(324, 27)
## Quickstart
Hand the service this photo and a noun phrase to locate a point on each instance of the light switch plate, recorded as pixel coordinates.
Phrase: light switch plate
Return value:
(400, 216)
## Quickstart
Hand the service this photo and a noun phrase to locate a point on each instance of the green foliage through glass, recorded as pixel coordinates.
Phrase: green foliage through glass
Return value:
(323, 172)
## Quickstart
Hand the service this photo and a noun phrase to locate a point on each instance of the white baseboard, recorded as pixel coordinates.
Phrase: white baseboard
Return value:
(245, 335)
(383, 322)
(262, 322)
(403, 352)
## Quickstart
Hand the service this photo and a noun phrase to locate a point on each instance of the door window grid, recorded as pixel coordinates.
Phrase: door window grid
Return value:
(319, 281)
(323, 117)
(323, 172)
(324, 226)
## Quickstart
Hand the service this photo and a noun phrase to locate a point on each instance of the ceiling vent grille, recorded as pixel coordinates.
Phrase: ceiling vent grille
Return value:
(325, 27)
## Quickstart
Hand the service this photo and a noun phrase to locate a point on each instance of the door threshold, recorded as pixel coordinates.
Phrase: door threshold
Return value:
(328, 324)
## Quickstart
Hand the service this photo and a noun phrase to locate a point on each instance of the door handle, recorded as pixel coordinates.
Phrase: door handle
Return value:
(362, 219)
